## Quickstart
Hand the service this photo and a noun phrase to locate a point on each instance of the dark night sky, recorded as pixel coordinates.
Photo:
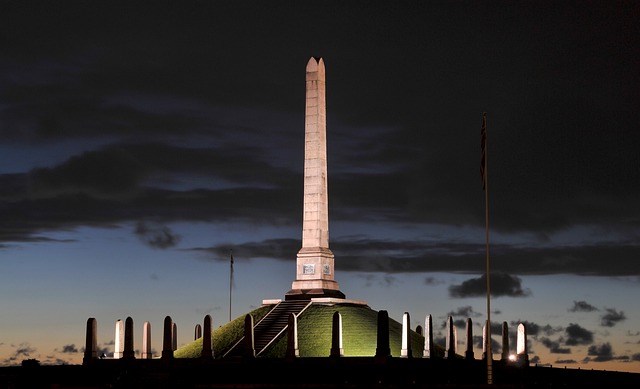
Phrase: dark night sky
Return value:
(155, 136)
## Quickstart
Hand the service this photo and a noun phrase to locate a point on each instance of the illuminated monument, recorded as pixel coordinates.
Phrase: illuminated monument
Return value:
(315, 261)
(388, 354)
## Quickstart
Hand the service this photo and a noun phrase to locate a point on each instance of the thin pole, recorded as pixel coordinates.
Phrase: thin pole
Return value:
(230, 282)
(485, 183)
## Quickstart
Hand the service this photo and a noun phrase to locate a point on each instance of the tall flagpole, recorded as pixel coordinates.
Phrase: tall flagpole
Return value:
(230, 282)
(485, 187)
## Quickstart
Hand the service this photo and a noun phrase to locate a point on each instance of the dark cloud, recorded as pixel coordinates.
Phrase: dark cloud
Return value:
(112, 185)
(156, 235)
(24, 350)
(554, 346)
(282, 249)
(496, 346)
(577, 335)
(149, 123)
(582, 306)
(601, 352)
(27, 219)
(159, 116)
(566, 361)
(365, 254)
(496, 327)
(464, 312)
(635, 357)
(370, 255)
(108, 173)
(69, 348)
(612, 317)
(502, 284)
(535, 360)
(119, 171)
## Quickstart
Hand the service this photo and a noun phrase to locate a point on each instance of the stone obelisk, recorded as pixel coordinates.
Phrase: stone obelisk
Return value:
(315, 261)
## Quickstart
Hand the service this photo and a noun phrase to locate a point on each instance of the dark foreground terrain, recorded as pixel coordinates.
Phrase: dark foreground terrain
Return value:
(346, 372)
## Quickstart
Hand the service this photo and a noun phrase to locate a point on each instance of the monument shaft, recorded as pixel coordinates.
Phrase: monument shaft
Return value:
(315, 261)
(315, 223)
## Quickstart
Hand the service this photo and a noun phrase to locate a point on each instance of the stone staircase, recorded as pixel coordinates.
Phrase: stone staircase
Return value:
(270, 327)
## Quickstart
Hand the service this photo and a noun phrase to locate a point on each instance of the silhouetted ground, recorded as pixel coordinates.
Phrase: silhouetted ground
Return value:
(348, 372)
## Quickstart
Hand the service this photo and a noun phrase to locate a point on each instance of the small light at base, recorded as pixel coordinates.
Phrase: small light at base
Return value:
(512, 358)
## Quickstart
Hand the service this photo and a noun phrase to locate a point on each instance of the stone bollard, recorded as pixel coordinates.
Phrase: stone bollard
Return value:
(336, 336)
(382, 345)
(405, 350)
(428, 351)
(129, 352)
(91, 342)
(468, 354)
(292, 337)
(249, 343)
(207, 351)
(167, 339)
(146, 341)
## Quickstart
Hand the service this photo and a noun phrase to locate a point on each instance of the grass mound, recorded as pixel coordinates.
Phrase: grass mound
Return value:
(359, 334)
(223, 338)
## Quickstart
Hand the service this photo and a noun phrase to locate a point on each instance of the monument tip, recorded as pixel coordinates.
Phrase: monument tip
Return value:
(314, 63)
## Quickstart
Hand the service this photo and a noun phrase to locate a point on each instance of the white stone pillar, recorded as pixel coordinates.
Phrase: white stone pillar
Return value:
(336, 335)
(292, 336)
(146, 341)
(405, 350)
(521, 349)
(315, 261)
(428, 351)
(119, 341)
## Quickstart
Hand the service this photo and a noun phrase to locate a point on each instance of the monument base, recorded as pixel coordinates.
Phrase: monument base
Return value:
(308, 294)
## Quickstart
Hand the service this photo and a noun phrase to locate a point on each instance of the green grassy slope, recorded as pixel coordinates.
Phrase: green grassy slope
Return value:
(223, 338)
(359, 334)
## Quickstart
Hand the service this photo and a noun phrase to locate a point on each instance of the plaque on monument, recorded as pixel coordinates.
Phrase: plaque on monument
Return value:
(309, 269)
